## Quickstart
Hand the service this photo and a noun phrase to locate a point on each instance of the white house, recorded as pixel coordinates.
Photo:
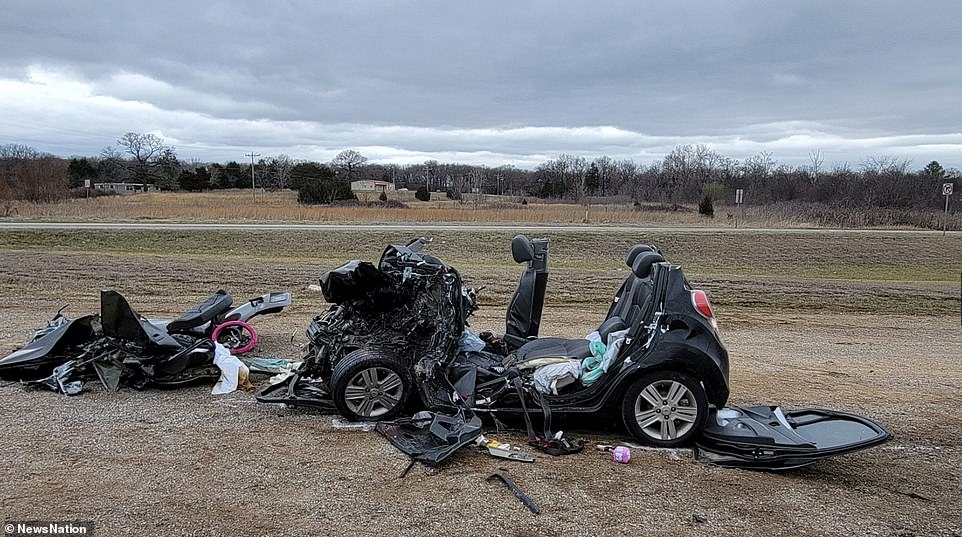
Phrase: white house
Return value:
(372, 186)
(125, 188)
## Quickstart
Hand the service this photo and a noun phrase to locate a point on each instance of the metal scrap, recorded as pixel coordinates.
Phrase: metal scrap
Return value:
(518, 493)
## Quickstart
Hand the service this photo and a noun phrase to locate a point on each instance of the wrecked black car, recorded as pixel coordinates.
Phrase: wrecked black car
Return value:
(398, 331)
(121, 347)
(396, 338)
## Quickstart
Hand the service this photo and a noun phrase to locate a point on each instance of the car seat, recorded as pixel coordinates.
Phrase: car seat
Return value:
(523, 319)
(636, 291)
(630, 257)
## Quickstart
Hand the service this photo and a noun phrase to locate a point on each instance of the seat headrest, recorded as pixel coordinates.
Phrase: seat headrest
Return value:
(521, 249)
(643, 263)
(613, 324)
(634, 251)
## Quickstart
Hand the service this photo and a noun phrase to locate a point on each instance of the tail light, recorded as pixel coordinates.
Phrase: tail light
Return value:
(700, 301)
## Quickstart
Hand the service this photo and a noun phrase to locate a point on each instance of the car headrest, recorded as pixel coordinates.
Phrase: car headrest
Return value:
(521, 249)
(643, 263)
(634, 251)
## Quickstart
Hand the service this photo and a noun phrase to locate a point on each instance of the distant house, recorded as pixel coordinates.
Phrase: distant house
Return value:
(125, 188)
(372, 186)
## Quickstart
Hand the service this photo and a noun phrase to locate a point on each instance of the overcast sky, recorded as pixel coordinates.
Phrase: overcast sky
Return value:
(487, 82)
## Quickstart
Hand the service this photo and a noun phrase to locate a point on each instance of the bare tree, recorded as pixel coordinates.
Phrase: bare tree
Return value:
(28, 174)
(816, 159)
(879, 164)
(476, 179)
(278, 172)
(145, 150)
(760, 165)
(349, 161)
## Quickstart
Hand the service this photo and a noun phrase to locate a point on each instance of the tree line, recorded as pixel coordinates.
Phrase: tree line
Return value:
(689, 174)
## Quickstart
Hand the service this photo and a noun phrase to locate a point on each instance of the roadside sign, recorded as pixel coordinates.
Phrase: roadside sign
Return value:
(86, 183)
(947, 192)
(738, 196)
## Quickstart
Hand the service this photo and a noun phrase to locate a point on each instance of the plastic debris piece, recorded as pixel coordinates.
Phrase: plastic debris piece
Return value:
(548, 378)
(504, 451)
(267, 365)
(59, 382)
(233, 372)
(620, 454)
(470, 342)
(365, 426)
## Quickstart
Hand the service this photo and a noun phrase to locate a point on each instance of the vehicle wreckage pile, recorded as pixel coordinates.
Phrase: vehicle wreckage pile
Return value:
(119, 347)
(396, 339)
(396, 331)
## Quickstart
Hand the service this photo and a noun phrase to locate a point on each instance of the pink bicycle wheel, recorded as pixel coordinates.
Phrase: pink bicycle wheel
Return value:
(235, 338)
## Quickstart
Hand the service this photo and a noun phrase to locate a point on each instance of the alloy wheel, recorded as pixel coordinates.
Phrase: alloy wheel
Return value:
(666, 410)
(373, 392)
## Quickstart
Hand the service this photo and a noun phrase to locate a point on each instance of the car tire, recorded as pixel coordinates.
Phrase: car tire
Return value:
(368, 386)
(671, 418)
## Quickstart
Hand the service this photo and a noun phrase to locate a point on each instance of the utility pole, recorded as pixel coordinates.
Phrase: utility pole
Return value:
(252, 154)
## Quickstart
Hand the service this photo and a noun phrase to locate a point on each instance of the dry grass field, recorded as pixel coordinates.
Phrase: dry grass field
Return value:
(867, 323)
(235, 205)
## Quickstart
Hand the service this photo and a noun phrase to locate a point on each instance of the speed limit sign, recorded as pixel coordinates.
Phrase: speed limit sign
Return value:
(946, 189)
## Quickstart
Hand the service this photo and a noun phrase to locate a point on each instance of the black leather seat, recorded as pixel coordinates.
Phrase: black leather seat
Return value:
(206, 311)
(637, 287)
(635, 291)
(617, 309)
(523, 319)
(556, 347)
(552, 347)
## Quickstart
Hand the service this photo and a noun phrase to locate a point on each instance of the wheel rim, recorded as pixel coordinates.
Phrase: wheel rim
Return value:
(373, 392)
(666, 410)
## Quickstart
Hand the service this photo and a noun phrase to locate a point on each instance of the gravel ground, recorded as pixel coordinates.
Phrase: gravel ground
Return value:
(187, 463)
(808, 322)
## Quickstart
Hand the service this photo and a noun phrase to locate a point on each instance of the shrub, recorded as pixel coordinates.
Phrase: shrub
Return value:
(706, 207)
(91, 193)
(314, 191)
(423, 193)
(713, 190)
(383, 196)
(389, 204)
(452, 195)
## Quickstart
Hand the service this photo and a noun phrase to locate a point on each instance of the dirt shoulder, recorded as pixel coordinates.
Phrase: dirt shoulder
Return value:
(186, 463)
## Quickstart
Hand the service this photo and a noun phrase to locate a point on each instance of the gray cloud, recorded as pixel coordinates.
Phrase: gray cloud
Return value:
(487, 82)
